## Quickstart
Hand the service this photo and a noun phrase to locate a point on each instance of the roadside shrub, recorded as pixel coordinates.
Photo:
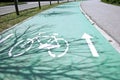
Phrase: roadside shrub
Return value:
(112, 1)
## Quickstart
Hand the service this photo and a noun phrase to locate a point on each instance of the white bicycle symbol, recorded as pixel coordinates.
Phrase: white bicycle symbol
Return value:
(52, 43)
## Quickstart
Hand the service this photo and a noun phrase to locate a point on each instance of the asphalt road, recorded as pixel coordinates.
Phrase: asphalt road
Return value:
(9, 9)
(107, 16)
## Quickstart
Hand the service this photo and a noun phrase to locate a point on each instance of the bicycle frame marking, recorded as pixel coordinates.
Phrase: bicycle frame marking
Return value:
(48, 45)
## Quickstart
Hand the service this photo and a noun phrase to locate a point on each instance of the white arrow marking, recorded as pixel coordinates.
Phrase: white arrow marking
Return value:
(90, 44)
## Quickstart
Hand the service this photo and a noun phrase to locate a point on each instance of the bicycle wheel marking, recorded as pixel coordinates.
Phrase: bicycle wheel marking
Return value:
(24, 46)
(48, 45)
(65, 49)
(17, 44)
(63, 53)
(10, 52)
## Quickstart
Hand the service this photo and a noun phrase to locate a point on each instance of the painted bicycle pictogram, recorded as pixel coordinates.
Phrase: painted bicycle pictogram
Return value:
(52, 42)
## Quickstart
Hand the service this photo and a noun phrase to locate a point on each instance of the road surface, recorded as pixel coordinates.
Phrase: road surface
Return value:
(57, 44)
(107, 16)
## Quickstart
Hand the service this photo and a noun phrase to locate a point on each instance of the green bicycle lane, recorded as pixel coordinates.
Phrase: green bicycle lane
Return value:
(85, 58)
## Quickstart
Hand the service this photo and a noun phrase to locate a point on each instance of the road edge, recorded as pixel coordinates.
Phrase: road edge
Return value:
(112, 41)
(12, 27)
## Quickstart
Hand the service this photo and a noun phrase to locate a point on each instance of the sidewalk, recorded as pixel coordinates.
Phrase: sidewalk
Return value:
(107, 16)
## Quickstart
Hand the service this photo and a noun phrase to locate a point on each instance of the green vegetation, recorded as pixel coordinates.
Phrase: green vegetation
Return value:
(9, 3)
(11, 19)
(115, 2)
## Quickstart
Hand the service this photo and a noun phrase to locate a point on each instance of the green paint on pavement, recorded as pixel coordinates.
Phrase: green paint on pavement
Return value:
(77, 64)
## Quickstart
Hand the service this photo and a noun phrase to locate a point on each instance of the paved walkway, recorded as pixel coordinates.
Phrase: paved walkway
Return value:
(105, 15)
(76, 50)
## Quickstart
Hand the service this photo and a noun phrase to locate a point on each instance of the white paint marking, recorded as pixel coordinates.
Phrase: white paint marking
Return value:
(51, 54)
(114, 43)
(90, 44)
(48, 46)
(6, 38)
(65, 49)
(10, 52)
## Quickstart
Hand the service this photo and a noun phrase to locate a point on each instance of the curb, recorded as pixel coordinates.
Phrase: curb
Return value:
(112, 41)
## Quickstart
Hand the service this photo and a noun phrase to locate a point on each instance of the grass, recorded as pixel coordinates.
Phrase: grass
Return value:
(7, 21)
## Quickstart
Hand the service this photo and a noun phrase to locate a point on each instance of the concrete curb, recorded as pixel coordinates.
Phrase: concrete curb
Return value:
(112, 41)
